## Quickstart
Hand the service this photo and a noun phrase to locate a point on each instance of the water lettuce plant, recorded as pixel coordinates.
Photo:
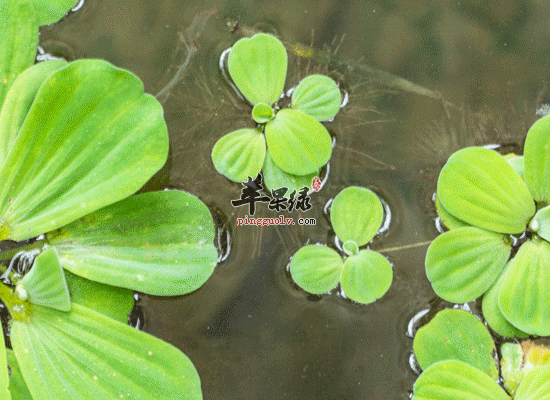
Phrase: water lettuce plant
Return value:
(458, 359)
(287, 143)
(76, 140)
(356, 215)
(494, 206)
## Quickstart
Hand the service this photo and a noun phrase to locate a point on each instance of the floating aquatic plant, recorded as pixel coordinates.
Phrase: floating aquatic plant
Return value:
(490, 202)
(356, 215)
(289, 143)
(457, 355)
(76, 140)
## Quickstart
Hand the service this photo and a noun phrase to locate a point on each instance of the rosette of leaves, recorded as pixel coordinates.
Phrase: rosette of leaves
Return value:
(485, 198)
(290, 144)
(457, 356)
(356, 215)
(76, 140)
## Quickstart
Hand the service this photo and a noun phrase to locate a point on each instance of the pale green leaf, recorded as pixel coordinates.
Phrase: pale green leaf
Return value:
(356, 214)
(447, 218)
(298, 144)
(517, 163)
(160, 243)
(240, 154)
(4, 378)
(540, 224)
(463, 263)
(479, 187)
(19, 100)
(455, 380)
(258, 65)
(275, 177)
(18, 387)
(536, 155)
(535, 385)
(523, 297)
(50, 11)
(45, 283)
(456, 335)
(96, 139)
(18, 41)
(72, 355)
(318, 96)
(493, 315)
(366, 276)
(316, 269)
(114, 302)
(511, 366)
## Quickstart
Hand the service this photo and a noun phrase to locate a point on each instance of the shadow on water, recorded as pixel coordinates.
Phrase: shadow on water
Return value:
(479, 75)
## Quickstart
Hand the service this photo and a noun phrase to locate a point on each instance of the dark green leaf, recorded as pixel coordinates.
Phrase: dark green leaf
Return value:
(316, 269)
(159, 243)
(479, 187)
(463, 263)
(96, 139)
(318, 96)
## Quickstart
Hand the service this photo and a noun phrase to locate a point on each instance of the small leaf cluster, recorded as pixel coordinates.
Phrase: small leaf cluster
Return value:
(290, 144)
(456, 354)
(491, 202)
(356, 215)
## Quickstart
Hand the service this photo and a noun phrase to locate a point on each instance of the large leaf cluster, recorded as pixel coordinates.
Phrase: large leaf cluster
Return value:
(491, 202)
(290, 144)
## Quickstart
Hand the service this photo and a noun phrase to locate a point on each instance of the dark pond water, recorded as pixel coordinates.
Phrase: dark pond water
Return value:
(250, 332)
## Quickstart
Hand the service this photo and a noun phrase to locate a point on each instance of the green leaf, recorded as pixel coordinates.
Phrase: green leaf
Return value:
(275, 177)
(493, 315)
(298, 144)
(159, 243)
(91, 138)
(240, 154)
(511, 366)
(356, 214)
(19, 33)
(447, 218)
(262, 113)
(45, 283)
(517, 163)
(479, 187)
(455, 380)
(18, 387)
(114, 302)
(71, 355)
(463, 263)
(523, 297)
(536, 155)
(316, 269)
(318, 96)
(50, 11)
(366, 276)
(540, 224)
(456, 335)
(19, 100)
(257, 65)
(4, 378)
(535, 385)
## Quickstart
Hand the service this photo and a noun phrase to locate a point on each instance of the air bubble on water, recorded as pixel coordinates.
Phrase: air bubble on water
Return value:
(387, 217)
(78, 6)
(412, 326)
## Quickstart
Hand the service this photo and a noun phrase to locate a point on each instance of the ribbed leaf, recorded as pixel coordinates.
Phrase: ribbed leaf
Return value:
(257, 65)
(523, 297)
(275, 177)
(45, 283)
(456, 335)
(316, 269)
(83, 353)
(536, 155)
(19, 100)
(317, 96)
(535, 385)
(92, 137)
(356, 214)
(240, 154)
(455, 380)
(298, 144)
(493, 315)
(366, 276)
(447, 218)
(463, 263)
(479, 187)
(159, 243)
(18, 43)
(18, 387)
(50, 11)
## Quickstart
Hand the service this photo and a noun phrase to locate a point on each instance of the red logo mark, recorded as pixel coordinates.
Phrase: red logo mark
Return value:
(316, 184)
